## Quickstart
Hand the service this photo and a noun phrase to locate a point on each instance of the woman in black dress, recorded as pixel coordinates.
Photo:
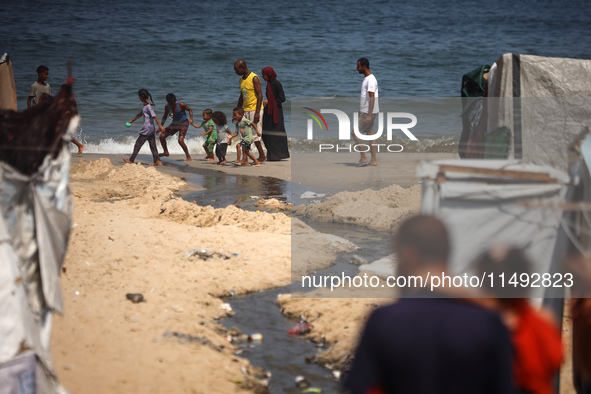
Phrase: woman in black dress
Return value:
(274, 135)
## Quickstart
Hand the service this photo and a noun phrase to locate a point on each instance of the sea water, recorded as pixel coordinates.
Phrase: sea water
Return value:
(416, 48)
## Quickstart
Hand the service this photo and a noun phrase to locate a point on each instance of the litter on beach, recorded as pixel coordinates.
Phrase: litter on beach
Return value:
(205, 254)
(301, 328)
(308, 195)
(136, 298)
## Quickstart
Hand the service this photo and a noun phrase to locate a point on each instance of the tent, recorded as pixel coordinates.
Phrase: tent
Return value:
(486, 203)
(35, 212)
(8, 91)
(534, 121)
(535, 107)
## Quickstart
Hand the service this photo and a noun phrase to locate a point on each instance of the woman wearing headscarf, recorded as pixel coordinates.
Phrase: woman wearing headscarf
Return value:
(274, 135)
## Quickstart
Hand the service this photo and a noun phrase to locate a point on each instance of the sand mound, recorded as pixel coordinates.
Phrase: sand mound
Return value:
(97, 169)
(130, 180)
(274, 203)
(384, 209)
(180, 211)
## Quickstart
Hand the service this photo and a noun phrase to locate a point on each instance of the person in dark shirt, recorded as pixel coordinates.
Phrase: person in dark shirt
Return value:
(430, 343)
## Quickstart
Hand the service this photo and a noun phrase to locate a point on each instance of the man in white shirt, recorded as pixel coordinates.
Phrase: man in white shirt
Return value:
(368, 111)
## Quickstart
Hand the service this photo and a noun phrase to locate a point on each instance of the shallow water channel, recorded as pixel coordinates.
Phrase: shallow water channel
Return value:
(281, 354)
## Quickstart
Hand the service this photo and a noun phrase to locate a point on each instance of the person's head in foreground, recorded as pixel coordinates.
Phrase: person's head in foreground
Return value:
(421, 245)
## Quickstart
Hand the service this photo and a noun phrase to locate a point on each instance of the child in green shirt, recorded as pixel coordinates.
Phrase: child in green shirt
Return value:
(244, 127)
(210, 132)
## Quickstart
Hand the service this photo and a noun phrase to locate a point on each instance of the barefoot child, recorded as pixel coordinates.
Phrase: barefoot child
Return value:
(245, 128)
(148, 131)
(211, 133)
(180, 123)
(224, 135)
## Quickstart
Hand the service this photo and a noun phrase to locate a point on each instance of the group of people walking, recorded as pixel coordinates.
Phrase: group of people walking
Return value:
(257, 121)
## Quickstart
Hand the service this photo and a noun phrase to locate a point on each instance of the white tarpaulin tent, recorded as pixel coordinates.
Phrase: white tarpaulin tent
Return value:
(34, 228)
(544, 103)
(35, 212)
(498, 202)
(535, 111)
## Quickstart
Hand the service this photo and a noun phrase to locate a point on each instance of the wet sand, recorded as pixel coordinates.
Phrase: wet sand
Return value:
(317, 170)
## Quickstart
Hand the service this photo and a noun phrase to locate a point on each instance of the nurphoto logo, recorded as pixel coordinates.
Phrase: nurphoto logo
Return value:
(393, 122)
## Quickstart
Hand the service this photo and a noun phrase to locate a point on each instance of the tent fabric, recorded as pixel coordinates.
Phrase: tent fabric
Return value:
(18, 375)
(537, 76)
(35, 224)
(481, 210)
(8, 91)
(581, 220)
(544, 103)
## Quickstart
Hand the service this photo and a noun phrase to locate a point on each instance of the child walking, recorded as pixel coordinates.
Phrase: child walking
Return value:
(244, 127)
(224, 136)
(148, 131)
(211, 133)
(180, 123)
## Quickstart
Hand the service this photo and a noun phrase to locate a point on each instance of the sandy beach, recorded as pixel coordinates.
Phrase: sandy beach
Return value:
(132, 234)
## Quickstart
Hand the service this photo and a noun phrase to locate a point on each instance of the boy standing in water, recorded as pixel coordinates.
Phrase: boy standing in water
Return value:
(39, 87)
(244, 127)
(179, 123)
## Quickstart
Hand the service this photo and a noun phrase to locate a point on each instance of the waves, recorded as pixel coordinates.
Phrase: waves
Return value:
(124, 146)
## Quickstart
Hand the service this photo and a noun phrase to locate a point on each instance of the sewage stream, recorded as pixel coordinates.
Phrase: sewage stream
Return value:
(282, 354)
(223, 189)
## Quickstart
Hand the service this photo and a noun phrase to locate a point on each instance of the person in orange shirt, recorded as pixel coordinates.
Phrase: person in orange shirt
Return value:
(538, 350)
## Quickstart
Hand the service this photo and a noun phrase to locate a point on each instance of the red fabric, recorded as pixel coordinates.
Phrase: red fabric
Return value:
(272, 104)
(375, 390)
(538, 351)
